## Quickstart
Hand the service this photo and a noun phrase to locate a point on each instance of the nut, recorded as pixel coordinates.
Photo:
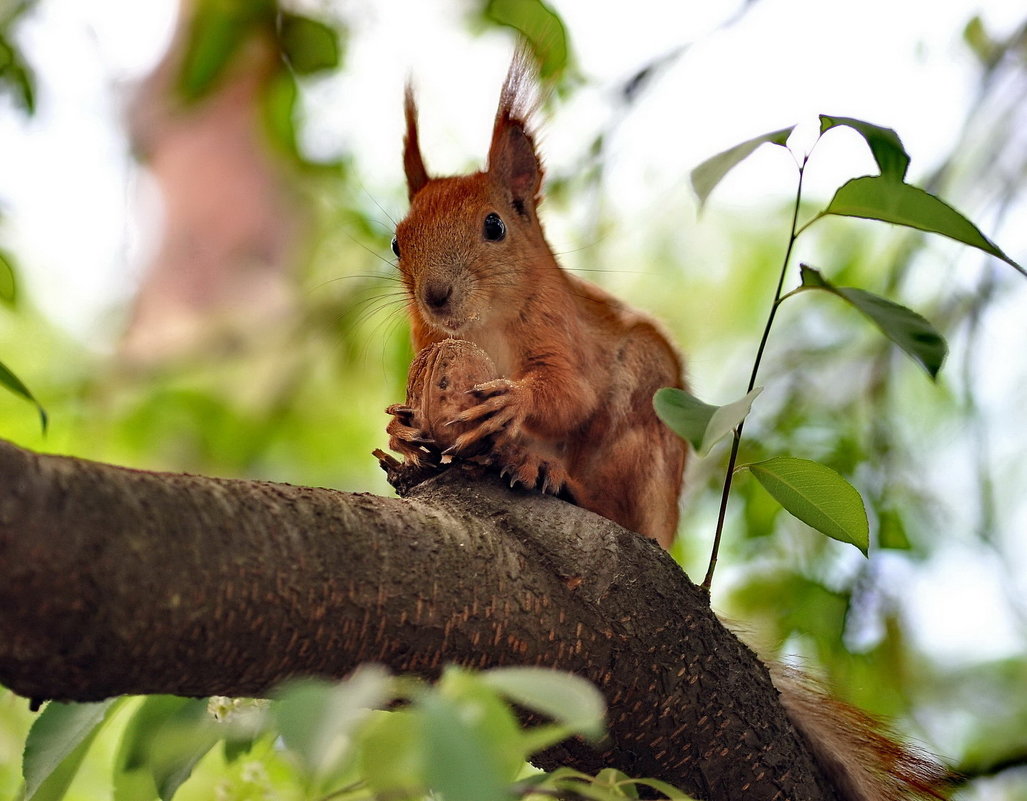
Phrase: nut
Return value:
(438, 387)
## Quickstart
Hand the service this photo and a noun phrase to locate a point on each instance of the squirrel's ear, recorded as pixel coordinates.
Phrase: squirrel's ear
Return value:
(513, 162)
(413, 164)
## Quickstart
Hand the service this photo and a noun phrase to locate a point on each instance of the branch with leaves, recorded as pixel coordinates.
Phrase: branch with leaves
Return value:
(812, 492)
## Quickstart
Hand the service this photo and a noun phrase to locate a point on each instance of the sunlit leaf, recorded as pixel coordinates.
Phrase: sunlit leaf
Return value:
(564, 697)
(57, 744)
(593, 790)
(616, 778)
(707, 175)
(8, 282)
(491, 719)
(818, 496)
(392, 759)
(891, 531)
(457, 763)
(539, 25)
(317, 719)
(890, 155)
(309, 45)
(16, 77)
(15, 385)
(217, 31)
(876, 197)
(907, 329)
(980, 42)
(668, 790)
(162, 743)
(279, 111)
(214, 39)
(702, 424)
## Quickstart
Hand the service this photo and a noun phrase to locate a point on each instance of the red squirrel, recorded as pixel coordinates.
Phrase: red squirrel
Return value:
(565, 402)
(571, 412)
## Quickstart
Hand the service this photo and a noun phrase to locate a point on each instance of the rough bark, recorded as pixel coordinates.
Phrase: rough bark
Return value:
(120, 581)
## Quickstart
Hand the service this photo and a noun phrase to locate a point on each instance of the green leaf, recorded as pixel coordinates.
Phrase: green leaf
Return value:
(668, 790)
(316, 719)
(564, 697)
(391, 759)
(907, 329)
(214, 38)
(278, 104)
(14, 384)
(818, 496)
(8, 282)
(890, 155)
(700, 423)
(57, 744)
(980, 42)
(161, 745)
(495, 727)
(457, 763)
(877, 197)
(540, 26)
(217, 31)
(16, 77)
(707, 175)
(891, 531)
(309, 45)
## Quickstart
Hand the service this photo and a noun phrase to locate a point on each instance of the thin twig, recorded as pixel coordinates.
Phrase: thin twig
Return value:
(737, 439)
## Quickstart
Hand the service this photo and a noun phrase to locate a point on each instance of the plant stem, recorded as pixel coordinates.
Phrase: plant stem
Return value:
(737, 438)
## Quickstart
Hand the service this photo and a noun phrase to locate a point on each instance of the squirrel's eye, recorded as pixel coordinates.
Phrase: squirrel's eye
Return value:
(395, 246)
(494, 229)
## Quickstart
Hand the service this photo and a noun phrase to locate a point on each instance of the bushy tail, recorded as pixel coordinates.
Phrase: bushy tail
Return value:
(856, 750)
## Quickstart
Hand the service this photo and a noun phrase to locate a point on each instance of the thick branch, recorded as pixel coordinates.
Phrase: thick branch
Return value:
(118, 581)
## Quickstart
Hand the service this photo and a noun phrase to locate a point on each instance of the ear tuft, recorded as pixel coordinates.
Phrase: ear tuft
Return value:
(413, 164)
(513, 160)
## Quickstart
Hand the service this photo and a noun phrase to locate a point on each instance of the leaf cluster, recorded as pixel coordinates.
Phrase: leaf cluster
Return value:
(814, 493)
(302, 45)
(462, 738)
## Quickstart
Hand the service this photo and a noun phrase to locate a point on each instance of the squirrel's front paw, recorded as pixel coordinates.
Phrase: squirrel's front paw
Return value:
(499, 414)
(407, 438)
(522, 465)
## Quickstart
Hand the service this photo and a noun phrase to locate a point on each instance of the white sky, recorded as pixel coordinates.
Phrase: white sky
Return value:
(70, 194)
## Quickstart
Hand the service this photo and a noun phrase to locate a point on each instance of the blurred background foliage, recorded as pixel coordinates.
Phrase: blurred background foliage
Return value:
(281, 366)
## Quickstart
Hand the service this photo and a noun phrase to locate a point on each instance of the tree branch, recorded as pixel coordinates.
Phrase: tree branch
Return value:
(120, 581)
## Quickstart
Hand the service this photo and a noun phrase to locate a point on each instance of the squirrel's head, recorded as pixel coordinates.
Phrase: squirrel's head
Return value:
(471, 245)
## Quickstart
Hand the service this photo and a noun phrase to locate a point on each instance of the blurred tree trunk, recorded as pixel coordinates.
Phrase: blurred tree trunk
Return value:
(122, 581)
(230, 225)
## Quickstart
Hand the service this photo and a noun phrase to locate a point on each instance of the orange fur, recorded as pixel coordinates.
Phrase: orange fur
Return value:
(856, 750)
(573, 412)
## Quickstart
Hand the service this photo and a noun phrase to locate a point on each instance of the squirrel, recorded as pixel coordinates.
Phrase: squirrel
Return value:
(561, 378)
(570, 412)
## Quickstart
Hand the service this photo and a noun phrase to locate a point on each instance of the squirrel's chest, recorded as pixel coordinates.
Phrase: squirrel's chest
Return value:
(498, 345)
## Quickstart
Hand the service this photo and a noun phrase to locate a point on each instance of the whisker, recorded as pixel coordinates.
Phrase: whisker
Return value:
(367, 276)
(370, 250)
(612, 272)
(374, 200)
(368, 313)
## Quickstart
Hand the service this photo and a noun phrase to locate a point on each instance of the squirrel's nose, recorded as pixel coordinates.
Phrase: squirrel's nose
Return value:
(436, 294)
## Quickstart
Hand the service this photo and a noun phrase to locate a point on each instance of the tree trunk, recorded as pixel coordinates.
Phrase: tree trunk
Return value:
(120, 581)
(232, 227)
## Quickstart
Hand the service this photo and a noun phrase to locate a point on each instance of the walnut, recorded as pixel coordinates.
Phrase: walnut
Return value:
(438, 387)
